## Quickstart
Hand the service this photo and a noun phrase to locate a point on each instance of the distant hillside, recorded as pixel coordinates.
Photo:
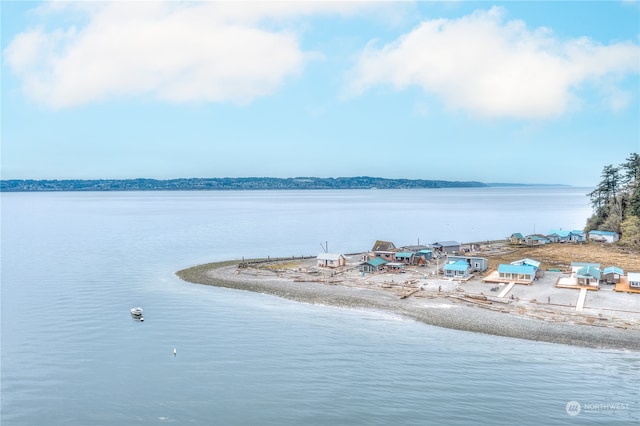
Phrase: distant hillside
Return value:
(211, 184)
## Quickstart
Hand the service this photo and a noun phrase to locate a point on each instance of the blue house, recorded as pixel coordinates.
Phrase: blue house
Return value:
(421, 254)
(518, 273)
(373, 265)
(529, 262)
(404, 256)
(612, 274)
(475, 263)
(457, 269)
(603, 236)
(577, 265)
(516, 238)
(536, 240)
(588, 275)
(559, 236)
(424, 254)
(577, 236)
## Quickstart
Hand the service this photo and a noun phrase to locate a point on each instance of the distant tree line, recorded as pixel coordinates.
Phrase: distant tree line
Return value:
(245, 183)
(616, 201)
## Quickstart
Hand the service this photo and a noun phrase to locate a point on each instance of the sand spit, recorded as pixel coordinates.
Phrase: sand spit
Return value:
(470, 306)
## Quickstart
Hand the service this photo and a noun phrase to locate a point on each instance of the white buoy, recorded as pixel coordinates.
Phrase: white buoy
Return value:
(174, 351)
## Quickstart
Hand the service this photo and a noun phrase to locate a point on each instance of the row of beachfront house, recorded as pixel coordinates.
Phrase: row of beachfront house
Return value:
(591, 275)
(384, 255)
(454, 267)
(388, 258)
(561, 236)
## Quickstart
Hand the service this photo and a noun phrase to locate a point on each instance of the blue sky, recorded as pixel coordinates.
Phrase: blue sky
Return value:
(532, 92)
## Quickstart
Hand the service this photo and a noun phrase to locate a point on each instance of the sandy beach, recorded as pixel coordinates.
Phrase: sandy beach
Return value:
(540, 312)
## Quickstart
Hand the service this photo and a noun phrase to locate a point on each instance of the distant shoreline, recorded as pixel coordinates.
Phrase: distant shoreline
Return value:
(243, 183)
(439, 310)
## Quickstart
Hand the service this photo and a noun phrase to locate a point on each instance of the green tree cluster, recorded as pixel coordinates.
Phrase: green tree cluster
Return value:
(616, 201)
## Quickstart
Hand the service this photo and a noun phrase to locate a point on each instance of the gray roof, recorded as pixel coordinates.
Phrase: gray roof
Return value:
(446, 244)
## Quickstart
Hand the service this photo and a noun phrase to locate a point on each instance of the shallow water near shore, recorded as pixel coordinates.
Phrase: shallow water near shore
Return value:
(73, 264)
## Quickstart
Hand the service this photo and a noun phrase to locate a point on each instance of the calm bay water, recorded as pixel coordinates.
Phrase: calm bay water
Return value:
(74, 263)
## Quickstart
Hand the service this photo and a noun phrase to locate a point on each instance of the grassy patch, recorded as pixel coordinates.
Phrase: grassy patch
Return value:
(279, 266)
(560, 256)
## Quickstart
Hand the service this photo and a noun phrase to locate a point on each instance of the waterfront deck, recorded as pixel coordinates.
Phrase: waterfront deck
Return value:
(494, 277)
(572, 282)
(624, 287)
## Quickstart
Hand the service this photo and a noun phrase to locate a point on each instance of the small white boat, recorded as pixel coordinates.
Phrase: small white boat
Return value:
(136, 312)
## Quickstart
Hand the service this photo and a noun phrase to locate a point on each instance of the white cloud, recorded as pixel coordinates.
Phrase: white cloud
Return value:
(176, 51)
(488, 67)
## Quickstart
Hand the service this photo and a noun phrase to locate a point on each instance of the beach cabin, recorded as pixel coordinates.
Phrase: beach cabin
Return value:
(395, 267)
(588, 275)
(421, 257)
(389, 256)
(577, 236)
(404, 257)
(516, 238)
(530, 262)
(518, 273)
(634, 279)
(612, 274)
(331, 260)
(479, 264)
(536, 240)
(372, 265)
(603, 236)
(457, 269)
(559, 236)
(381, 245)
(577, 265)
(446, 246)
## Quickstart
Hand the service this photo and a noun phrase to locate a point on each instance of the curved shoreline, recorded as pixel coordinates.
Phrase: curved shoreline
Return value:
(445, 311)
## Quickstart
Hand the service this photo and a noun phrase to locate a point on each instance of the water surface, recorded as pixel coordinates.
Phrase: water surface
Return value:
(74, 263)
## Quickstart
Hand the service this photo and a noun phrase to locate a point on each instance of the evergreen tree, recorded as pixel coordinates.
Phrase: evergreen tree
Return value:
(616, 201)
(607, 189)
(631, 169)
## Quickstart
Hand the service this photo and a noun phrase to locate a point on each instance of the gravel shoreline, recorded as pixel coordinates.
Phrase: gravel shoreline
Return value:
(446, 311)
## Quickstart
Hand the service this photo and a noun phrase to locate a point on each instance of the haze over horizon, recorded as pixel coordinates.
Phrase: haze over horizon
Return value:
(292, 178)
(512, 92)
